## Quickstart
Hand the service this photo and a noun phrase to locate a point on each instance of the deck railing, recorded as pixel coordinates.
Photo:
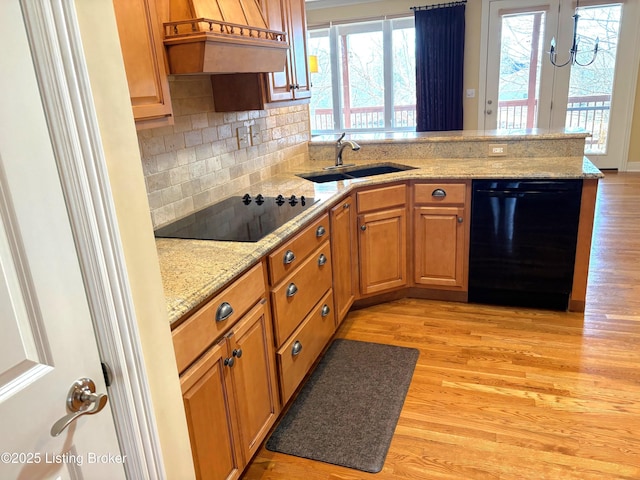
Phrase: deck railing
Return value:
(364, 118)
(590, 112)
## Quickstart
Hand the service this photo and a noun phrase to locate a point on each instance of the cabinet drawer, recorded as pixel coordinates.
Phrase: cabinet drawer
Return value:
(439, 193)
(286, 258)
(379, 198)
(294, 297)
(192, 337)
(301, 351)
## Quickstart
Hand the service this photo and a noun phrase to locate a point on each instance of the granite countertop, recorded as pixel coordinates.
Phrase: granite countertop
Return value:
(193, 270)
(457, 136)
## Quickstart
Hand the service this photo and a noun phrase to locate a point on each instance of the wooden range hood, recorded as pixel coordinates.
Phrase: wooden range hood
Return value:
(222, 36)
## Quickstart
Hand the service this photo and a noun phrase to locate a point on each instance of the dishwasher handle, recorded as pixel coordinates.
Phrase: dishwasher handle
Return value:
(519, 193)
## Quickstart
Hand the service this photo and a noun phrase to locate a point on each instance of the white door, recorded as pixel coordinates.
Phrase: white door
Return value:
(519, 82)
(47, 340)
(524, 90)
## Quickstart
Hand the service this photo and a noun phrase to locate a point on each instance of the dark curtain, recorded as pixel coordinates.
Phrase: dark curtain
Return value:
(439, 67)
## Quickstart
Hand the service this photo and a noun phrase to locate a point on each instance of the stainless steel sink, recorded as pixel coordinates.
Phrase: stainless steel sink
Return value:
(349, 173)
(325, 177)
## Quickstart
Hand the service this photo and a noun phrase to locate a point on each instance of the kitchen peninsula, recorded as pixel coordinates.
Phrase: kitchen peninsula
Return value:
(192, 270)
(249, 319)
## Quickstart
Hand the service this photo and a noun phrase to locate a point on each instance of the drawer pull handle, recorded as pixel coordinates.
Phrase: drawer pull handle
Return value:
(237, 352)
(289, 257)
(322, 259)
(229, 362)
(292, 290)
(438, 192)
(224, 311)
(296, 349)
(320, 231)
(325, 310)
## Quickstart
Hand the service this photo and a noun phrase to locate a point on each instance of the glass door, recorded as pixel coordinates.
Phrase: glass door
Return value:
(525, 90)
(519, 82)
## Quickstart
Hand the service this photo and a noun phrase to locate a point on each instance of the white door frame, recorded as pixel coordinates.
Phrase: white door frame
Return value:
(625, 92)
(63, 80)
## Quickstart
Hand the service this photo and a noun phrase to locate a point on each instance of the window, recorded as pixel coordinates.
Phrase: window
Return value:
(365, 78)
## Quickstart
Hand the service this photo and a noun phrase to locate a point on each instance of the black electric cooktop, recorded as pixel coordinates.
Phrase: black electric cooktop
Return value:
(238, 219)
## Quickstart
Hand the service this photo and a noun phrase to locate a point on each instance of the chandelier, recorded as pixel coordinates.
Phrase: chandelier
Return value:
(573, 52)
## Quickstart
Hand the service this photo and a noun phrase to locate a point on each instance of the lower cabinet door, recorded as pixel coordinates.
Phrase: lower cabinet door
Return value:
(209, 405)
(439, 256)
(382, 244)
(254, 377)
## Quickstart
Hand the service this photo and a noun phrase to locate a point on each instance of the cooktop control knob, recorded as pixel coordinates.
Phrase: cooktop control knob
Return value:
(259, 199)
(303, 201)
(246, 199)
(293, 200)
(279, 200)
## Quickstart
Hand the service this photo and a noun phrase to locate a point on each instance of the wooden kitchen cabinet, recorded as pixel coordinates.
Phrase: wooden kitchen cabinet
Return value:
(343, 252)
(209, 399)
(292, 83)
(141, 38)
(254, 378)
(254, 91)
(441, 229)
(230, 398)
(382, 238)
(230, 391)
(300, 276)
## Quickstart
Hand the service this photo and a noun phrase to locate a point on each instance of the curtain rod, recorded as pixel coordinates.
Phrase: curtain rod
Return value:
(439, 5)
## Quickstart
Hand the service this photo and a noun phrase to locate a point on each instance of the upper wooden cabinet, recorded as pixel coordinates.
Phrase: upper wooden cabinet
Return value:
(253, 91)
(143, 53)
(293, 82)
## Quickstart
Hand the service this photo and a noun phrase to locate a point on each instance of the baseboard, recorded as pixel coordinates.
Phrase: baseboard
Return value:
(633, 167)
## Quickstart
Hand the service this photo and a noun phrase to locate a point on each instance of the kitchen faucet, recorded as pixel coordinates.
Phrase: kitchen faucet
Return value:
(340, 146)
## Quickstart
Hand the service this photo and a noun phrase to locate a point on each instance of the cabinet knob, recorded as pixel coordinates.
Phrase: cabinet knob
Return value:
(325, 310)
(438, 192)
(322, 259)
(229, 362)
(224, 311)
(292, 289)
(460, 219)
(237, 352)
(297, 348)
(346, 205)
(363, 227)
(320, 231)
(289, 257)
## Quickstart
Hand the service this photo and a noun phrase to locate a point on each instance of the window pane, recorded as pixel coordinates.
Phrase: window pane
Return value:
(321, 105)
(520, 63)
(362, 80)
(591, 86)
(404, 77)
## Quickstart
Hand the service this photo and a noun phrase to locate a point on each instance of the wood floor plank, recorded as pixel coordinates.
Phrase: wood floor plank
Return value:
(515, 393)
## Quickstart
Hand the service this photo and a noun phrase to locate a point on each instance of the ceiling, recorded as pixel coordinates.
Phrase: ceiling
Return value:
(317, 4)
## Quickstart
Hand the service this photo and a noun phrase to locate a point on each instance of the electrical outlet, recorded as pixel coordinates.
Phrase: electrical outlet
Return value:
(497, 149)
(243, 137)
(254, 133)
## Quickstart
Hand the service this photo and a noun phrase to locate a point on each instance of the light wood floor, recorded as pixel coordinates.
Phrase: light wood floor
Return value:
(504, 393)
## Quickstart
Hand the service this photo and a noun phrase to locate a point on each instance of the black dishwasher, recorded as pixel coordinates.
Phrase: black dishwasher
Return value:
(523, 242)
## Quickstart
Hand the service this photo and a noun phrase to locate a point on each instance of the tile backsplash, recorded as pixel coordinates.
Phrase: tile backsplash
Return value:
(197, 161)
